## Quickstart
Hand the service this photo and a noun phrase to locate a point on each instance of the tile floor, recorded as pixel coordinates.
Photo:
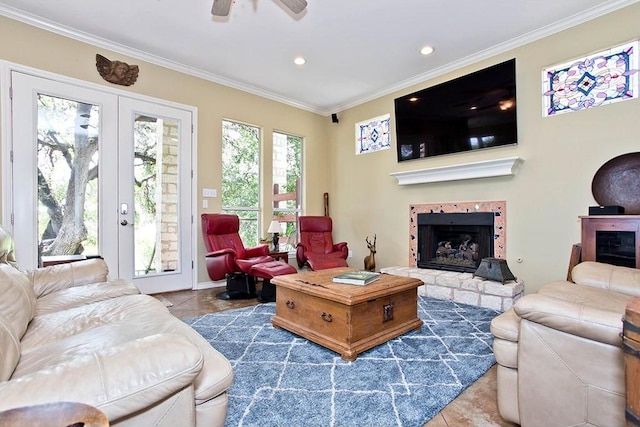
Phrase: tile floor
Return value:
(475, 407)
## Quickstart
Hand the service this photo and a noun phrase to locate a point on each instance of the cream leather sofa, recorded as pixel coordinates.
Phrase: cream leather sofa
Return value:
(67, 334)
(559, 351)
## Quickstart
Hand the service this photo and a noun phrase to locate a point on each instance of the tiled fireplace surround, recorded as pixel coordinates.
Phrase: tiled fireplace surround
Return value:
(456, 286)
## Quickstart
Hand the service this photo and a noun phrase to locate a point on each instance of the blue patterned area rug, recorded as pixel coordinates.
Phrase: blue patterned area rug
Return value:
(284, 380)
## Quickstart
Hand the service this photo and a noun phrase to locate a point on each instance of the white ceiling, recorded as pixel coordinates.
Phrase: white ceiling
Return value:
(356, 50)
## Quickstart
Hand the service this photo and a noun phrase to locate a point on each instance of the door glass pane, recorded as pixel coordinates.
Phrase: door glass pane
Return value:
(68, 133)
(156, 224)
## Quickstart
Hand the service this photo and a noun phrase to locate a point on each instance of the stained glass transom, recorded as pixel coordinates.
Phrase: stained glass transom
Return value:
(599, 79)
(373, 135)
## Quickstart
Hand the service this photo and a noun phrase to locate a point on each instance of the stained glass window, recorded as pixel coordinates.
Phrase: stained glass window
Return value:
(598, 79)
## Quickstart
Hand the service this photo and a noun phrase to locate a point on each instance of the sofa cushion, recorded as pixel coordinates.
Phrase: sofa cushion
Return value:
(59, 336)
(54, 327)
(18, 301)
(586, 296)
(606, 276)
(62, 276)
(81, 295)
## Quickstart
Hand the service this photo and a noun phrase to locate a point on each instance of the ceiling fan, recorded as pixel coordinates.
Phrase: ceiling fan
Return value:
(222, 7)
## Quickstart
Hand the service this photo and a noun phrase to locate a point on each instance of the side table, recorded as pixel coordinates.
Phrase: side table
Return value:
(280, 255)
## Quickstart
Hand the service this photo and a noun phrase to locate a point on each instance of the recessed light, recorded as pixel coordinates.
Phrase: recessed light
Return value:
(299, 60)
(427, 50)
(413, 99)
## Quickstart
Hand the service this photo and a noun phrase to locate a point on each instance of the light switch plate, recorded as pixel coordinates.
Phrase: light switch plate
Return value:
(209, 192)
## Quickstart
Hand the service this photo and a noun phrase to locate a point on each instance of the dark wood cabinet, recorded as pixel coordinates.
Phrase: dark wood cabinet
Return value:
(612, 239)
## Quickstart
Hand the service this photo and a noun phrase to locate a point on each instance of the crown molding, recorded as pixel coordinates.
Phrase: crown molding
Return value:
(571, 21)
(93, 40)
(517, 42)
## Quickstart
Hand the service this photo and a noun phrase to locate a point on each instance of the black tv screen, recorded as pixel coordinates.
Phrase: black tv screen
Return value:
(471, 112)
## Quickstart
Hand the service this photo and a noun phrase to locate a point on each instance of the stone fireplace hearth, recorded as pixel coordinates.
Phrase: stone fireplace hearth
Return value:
(461, 286)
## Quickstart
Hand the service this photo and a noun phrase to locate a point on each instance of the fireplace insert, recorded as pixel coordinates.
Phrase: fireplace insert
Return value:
(454, 241)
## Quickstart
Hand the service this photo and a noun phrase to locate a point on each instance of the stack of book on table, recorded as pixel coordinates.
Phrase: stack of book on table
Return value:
(356, 277)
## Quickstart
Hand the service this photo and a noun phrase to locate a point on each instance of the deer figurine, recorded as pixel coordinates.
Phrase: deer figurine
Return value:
(370, 260)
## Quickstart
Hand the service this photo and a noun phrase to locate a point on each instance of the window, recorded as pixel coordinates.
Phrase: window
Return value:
(287, 173)
(67, 160)
(241, 177)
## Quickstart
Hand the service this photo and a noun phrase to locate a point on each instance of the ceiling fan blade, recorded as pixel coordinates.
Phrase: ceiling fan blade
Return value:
(221, 7)
(296, 6)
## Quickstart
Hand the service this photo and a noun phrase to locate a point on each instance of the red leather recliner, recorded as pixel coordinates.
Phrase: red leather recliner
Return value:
(316, 248)
(227, 255)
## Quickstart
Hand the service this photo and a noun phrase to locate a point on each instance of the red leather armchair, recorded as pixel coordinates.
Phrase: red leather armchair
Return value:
(226, 254)
(316, 248)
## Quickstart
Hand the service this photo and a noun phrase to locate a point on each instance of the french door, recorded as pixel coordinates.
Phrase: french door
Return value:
(97, 173)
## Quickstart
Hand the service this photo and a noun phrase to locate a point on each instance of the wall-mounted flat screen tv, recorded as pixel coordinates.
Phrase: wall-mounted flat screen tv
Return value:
(472, 112)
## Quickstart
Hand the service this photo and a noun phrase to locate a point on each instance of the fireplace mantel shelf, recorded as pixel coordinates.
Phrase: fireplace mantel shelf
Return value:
(484, 169)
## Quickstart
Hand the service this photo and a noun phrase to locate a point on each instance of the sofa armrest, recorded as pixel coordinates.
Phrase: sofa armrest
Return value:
(506, 326)
(63, 276)
(606, 276)
(119, 381)
(573, 318)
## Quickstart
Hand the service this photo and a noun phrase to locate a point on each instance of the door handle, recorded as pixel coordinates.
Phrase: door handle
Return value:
(124, 222)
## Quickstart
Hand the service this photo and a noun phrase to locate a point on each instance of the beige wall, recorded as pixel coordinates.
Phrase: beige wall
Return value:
(545, 197)
(46, 51)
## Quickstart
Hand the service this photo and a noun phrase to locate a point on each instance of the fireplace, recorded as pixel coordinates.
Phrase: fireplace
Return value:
(461, 286)
(454, 241)
(497, 208)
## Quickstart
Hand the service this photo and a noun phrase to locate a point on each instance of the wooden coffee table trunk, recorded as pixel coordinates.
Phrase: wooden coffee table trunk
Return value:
(347, 319)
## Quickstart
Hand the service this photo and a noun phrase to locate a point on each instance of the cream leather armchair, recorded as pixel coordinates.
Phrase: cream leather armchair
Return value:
(559, 351)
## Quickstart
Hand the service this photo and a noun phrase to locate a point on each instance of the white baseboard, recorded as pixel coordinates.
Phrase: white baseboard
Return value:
(210, 285)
